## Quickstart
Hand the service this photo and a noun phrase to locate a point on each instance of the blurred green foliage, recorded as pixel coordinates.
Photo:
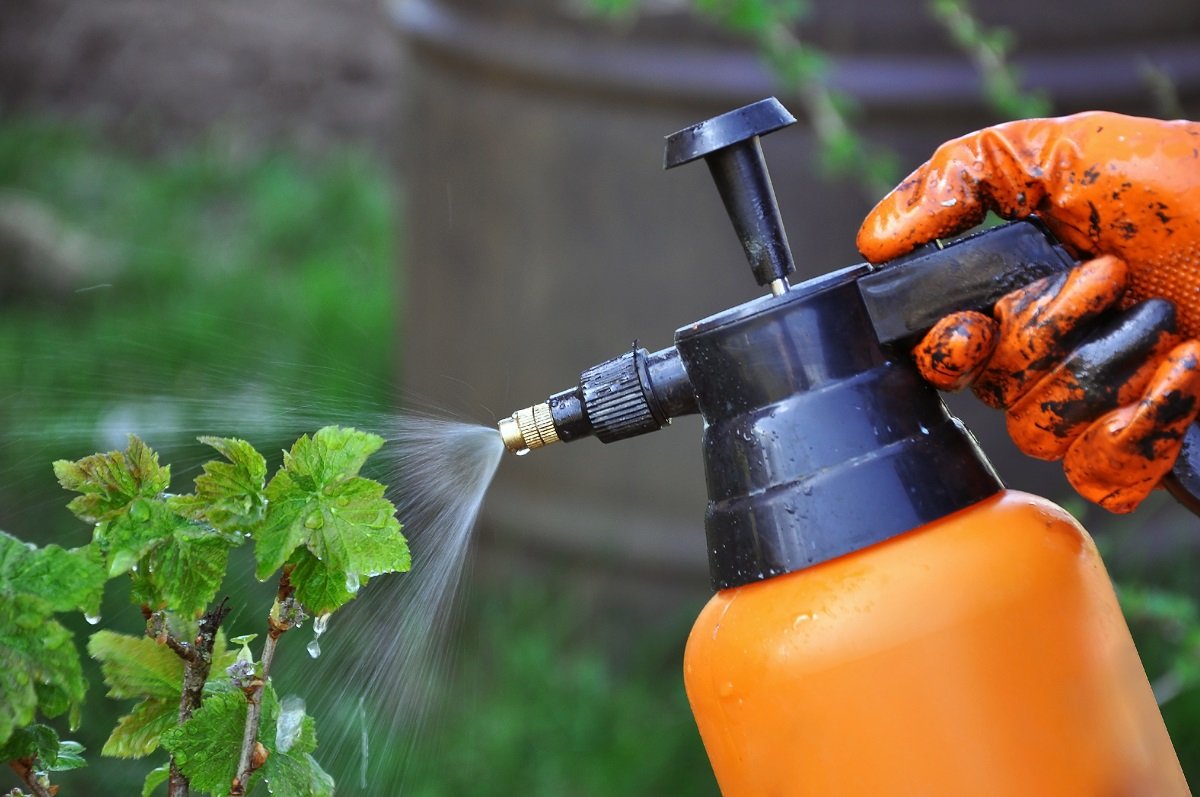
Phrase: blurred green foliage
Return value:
(240, 286)
(547, 710)
(219, 291)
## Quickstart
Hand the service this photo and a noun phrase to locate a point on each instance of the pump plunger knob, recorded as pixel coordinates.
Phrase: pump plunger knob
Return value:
(729, 143)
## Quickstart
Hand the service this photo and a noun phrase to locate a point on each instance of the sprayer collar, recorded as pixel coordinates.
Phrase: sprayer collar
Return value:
(818, 441)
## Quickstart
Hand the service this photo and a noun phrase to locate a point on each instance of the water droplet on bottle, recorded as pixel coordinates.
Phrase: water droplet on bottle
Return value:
(314, 521)
(92, 619)
(352, 583)
(314, 648)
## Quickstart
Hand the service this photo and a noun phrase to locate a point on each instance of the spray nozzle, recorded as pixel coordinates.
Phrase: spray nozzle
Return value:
(619, 398)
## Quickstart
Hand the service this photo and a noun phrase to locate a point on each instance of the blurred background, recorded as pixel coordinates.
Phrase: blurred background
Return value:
(255, 218)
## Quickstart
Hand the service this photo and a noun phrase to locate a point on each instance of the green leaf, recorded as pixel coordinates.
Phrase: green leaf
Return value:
(139, 667)
(185, 572)
(296, 775)
(283, 529)
(137, 733)
(109, 483)
(318, 500)
(319, 588)
(229, 495)
(359, 531)
(136, 667)
(39, 666)
(65, 579)
(42, 743)
(207, 746)
(333, 454)
(32, 741)
(69, 756)
(127, 538)
(155, 778)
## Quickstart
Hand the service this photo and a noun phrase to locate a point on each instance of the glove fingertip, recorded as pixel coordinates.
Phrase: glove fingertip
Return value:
(916, 212)
(956, 349)
(1119, 460)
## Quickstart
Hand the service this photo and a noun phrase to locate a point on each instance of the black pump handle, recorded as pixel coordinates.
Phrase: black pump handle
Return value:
(729, 143)
(908, 295)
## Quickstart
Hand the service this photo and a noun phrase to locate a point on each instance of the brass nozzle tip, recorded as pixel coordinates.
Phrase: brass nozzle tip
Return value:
(527, 429)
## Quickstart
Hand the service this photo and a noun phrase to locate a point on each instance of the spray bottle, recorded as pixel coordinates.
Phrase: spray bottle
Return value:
(888, 619)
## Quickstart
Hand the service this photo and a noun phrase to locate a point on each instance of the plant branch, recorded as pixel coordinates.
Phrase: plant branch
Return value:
(253, 754)
(988, 48)
(197, 658)
(24, 769)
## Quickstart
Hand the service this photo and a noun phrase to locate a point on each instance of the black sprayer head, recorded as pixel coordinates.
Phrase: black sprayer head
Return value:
(820, 437)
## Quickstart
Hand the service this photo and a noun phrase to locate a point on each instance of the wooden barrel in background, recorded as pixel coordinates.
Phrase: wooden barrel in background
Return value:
(543, 235)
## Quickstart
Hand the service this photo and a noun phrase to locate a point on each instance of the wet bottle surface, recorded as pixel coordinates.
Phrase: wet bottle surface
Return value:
(983, 654)
(888, 620)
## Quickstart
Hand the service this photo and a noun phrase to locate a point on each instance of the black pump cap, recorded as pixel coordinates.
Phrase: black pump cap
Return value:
(818, 441)
(734, 127)
(729, 143)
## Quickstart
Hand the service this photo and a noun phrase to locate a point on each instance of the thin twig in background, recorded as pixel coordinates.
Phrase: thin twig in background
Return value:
(1163, 91)
(988, 48)
(25, 771)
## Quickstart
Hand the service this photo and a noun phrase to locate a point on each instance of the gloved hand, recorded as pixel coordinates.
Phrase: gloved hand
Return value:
(1110, 393)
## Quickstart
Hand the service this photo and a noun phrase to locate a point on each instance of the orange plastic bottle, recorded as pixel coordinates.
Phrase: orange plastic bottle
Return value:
(888, 619)
(981, 654)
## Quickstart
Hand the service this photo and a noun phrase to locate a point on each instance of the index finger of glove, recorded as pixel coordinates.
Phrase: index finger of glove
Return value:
(997, 168)
(1040, 322)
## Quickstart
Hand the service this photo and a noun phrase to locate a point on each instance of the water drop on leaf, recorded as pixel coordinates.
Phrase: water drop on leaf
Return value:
(92, 619)
(140, 511)
(320, 624)
(314, 648)
(352, 583)
(314, 521)
(291, 717)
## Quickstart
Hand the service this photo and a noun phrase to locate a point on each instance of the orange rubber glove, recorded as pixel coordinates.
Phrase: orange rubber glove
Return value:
(1088, 370)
